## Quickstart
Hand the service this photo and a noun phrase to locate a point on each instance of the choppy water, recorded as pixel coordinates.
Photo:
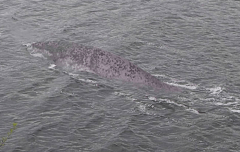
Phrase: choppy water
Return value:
(191, 44)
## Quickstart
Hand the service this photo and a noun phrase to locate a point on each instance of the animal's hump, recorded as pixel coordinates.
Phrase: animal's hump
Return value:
(104, 63)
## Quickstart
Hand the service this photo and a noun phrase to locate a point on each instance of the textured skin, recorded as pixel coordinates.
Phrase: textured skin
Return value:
(79, 57)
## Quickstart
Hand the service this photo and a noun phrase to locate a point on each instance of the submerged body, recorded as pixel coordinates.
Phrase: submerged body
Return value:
(78, 57)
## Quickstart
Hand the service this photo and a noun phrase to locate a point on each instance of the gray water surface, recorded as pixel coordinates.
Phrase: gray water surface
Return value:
(191, 44)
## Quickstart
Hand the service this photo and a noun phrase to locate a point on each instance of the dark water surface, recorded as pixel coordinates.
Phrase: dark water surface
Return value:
(191, 44)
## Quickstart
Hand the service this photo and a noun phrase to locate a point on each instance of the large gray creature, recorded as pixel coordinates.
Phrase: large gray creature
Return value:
(74, 56)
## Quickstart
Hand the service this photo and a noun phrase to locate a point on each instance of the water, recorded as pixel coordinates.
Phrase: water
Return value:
(191, 44)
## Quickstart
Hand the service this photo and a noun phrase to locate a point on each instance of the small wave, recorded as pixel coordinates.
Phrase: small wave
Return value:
(146, 108)
(187, 86)
(192, 110)
(73, 75)
(88, 81)
(27, 44)
(225, 104)
(215, 90)
(142, 108)
(127, 96)
(76, 76)
(179, 105)
(121, 94)
(38, 55)
(152, 98)
(52, 66)
(234, 110)
(160, 75)
(178, 83)
(172, 102)
(225, 101)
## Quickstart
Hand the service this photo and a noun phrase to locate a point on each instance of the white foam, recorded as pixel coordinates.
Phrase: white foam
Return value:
(52, 66)
(180, 105)
(234, 110)
(225, 104)
(160, 75)
(38, 55)
(192, 110)
(152, 98)
(127, 96)
(130, 98)
(121, 94)
(175, 82)
(27, 44)
(87, 80)
(215, 90)
(142, 108)
(187, 86)
(172, 102)
(73, 75)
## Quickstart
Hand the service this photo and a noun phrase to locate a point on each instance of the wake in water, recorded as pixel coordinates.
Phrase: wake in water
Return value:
(73, 57)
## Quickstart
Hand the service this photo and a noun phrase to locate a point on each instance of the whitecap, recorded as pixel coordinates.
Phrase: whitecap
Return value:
(52, 66)
(215, 90)
(234, 110)
(152, 98)
(38, 55)
(178, 83)
(187, 86)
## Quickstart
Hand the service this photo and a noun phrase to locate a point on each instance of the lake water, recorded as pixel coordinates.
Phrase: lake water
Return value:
(190, 44)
